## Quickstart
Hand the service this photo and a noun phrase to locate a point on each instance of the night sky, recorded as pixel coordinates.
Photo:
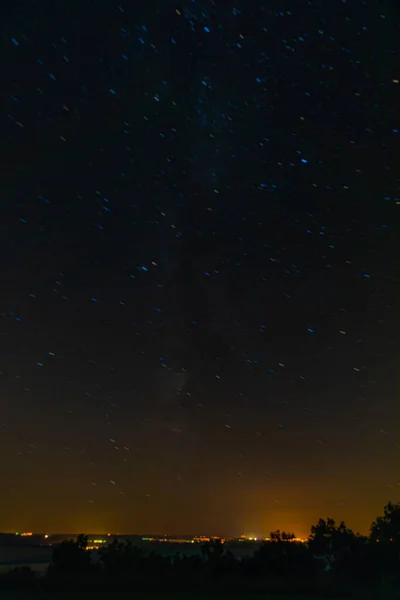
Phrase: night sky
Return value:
(199, 247)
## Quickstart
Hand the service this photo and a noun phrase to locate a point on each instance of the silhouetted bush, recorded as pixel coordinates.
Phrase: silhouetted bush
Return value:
(71, 558)
(18, 577)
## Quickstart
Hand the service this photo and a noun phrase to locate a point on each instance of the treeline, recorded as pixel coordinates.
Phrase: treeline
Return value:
(334, 562)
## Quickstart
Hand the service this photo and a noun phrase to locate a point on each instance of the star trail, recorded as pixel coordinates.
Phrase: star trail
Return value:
(199, 299)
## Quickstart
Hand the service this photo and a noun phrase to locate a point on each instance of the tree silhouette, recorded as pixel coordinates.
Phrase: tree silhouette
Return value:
(355, 562)
(386, 529)
(329, 540)
(281, 555)
(121, 559)
(82, 541)
(385, 541)
(217, 560)
(212, 551)
(278, 536)
(71, 557)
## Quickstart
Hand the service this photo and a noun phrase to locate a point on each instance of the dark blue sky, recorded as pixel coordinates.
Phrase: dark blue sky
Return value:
(199, 288)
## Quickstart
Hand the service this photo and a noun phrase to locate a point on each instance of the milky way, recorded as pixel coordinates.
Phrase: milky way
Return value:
(199, 290)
